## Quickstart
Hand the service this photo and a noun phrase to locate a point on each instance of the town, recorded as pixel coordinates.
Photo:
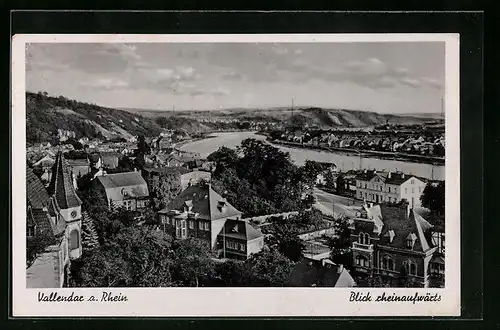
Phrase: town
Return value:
(144, 211)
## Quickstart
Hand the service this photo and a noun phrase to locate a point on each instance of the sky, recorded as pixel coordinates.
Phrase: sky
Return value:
(390, 77)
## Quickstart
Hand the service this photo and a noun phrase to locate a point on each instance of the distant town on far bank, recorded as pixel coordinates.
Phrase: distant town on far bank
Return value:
(110, 191)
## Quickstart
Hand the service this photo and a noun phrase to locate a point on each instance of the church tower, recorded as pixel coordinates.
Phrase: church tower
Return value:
(68, 203)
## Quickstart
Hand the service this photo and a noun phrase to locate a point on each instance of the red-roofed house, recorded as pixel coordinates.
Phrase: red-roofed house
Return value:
(202, 213)
(393, 242)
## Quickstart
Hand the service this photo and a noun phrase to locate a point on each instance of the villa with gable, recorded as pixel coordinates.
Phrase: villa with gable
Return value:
(202, 213)
(396, 243)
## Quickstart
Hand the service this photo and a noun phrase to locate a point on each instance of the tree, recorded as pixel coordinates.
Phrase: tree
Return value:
(166, 189)
(230, 273)
(143, 147)
(310, 172)
(136, 257)
(268, 268)
(192, 260)
(224, 158)
(36, 246)
(340, 184)
(330, 179)
(341, 243)
(433, 197)
(287, 239)
(162, 121)
(90, 238)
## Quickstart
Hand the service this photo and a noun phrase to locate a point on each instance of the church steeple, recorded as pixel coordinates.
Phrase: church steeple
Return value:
(61, 186)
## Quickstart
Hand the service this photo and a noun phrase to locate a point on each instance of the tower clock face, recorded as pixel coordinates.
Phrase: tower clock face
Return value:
(73, 214)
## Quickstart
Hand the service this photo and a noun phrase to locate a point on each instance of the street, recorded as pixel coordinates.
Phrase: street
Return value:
(330, 203)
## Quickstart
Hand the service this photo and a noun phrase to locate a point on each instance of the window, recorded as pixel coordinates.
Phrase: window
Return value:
(410, 267)
(389, 189)
(412, 190)
(412, 181)
(387, 263)
(381, 188)
(366, 195)
(406, 190)
(183, 228)
(207, 226)
(364, 238)
(362, 261)
(200, 225)
(191, 224)
(242, 247)
(74, 240)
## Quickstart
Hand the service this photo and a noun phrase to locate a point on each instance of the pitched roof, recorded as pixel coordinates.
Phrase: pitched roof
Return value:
(394, 218)
(124, 179)
(205, 202)
(241, 230)
(395, 178)
(62, 186)
(309, 272)
(35, 191)
(166, 170)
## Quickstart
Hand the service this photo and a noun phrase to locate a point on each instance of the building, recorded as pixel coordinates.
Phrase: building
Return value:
(394, 242)
(378, 187)
(194, 177)
(320, 273)
(202, 213)
(127, 189)
(53, 218)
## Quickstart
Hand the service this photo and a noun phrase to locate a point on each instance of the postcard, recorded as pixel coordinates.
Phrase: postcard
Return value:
(256, 175)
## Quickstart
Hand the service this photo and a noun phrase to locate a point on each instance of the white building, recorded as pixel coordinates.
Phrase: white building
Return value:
(392, 187)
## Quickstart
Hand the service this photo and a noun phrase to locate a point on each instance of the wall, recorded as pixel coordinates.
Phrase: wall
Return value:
(255, 245)
(45, 272)
(315, 234)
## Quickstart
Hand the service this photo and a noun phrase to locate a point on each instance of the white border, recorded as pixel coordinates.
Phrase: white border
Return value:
(236, 301)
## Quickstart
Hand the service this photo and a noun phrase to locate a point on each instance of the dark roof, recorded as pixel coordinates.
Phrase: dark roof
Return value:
(62, 186)
(205, 202)
(241, 230)
(395, 178)
(124, 179)
(308, 272)
(166, 170)
(35, 191)
(395, 219)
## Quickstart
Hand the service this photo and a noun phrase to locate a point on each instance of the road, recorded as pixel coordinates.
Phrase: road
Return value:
(329, 203)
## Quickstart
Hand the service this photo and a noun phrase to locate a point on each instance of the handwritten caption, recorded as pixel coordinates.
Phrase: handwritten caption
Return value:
(387, 297)
(105, 296)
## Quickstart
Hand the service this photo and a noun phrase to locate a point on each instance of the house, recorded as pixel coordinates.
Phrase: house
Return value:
(378, 187)
(175, 161)
(202, 213)
(320, 273)
(53, 217)
(127, 189)
(194, 177)
(394, 242)
(110, 159)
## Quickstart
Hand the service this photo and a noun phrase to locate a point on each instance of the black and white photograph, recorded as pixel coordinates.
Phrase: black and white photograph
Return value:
(251, 164)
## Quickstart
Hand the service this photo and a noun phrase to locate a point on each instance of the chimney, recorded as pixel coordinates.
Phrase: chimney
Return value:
(371, 205)
(389, 175)
(402, 175)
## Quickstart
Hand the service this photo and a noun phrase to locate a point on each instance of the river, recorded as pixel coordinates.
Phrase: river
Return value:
(299, 156)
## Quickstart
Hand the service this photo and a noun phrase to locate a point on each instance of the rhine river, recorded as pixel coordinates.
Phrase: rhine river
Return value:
(299, 156)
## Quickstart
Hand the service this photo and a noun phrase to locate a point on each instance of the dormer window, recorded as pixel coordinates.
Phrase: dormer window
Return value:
(188, 205)
(221, 205)
(410, 240)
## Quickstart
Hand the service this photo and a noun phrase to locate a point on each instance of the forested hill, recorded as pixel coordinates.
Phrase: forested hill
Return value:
(45, 114)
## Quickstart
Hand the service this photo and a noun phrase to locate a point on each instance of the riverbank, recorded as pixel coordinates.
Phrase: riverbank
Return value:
(371, 153)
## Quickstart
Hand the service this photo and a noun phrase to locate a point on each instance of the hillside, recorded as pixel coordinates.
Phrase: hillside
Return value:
(326, 118)
(46, 114)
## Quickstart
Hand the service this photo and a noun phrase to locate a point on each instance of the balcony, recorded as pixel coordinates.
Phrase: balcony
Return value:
(362, 247)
